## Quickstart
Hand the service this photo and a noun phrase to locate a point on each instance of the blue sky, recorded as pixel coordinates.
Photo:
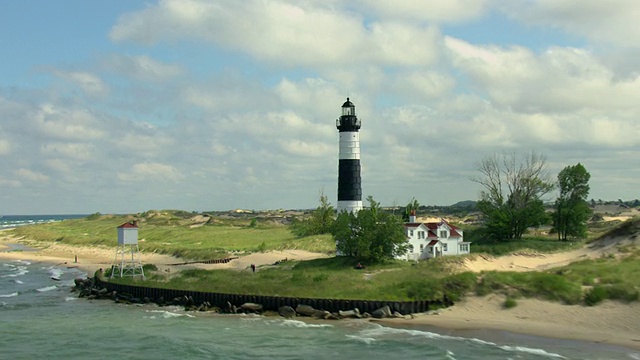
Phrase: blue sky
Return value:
(126, 106)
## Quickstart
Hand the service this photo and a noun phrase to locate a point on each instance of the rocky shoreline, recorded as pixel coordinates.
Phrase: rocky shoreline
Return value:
(88, 288)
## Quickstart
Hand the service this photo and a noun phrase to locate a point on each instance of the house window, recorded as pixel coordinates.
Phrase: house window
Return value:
(410, 232)
(444, 247)
(411, 248)
(443, 233)
(464, 247)
(420, 234)
(421, 247)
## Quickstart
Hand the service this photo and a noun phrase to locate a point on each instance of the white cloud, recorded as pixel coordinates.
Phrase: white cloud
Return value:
(143, 67)
(282, 32)
(5, 147)
(150, 173)
(91, 84)
(233, 104)
(441, 11)
(75, 151)
(63, 123)
(31, 175)
(608, 22)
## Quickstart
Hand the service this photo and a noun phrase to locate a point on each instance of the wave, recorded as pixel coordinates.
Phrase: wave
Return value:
(302, 324)
(366, 340)
(380, 331)
(48, 288)
(166, 314)
(55, 273)
(9, 295)
(19, 271)
(70, 298)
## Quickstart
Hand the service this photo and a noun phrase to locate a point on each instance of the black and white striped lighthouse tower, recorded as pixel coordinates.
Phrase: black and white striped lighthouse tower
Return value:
(349, 185)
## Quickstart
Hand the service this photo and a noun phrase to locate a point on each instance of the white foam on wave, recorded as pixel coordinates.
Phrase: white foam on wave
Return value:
(166, 314)
(380, 330)
(25, 262)
(48, 288)
(9, 295)
(70, 298)
(302, 324)
(56, 272)
(18, 281)
(19, 271)
(366, 340)
(527, 350)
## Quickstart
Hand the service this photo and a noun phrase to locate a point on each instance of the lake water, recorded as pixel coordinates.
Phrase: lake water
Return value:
(41, 318)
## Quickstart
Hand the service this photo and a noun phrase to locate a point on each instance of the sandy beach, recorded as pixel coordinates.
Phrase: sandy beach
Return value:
(611, 323)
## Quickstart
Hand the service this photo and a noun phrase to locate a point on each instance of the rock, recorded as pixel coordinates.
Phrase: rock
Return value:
(355, 313)
(383, 312)
(397, 315)
(305, 310)
(321, 314)
(253, 307)
(286, 311)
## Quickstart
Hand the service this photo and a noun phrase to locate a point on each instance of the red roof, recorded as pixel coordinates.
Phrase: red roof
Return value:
(433, 242)
(129, 225)
(412, 225)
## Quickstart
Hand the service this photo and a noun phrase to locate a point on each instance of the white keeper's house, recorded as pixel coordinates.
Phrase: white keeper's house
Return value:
(433, 239)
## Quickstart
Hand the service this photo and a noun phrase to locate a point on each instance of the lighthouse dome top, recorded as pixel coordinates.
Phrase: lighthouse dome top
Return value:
(348, 108)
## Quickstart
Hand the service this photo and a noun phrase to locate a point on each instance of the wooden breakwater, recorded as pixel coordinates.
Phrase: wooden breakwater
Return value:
(271, 303)
(215, 261)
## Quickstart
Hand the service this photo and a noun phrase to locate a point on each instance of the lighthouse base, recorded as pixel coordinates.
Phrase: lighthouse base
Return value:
(349, 206)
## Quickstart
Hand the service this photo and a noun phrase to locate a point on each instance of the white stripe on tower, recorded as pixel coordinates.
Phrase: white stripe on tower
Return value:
(349, 184)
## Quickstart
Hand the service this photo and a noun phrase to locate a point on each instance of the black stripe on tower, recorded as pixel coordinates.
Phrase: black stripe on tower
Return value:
(349, 187)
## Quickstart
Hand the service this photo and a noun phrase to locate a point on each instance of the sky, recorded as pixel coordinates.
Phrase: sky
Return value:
(126, 106)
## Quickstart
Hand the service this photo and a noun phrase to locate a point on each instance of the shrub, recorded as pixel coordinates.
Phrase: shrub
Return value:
(595, 296)
(622, 292)
(320, 277)
(510, 303)
(149, 267)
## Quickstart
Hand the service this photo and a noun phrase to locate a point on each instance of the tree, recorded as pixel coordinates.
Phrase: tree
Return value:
(320, 221)
(370, 234)
(572, 208)
(511, 199)
(413, 205)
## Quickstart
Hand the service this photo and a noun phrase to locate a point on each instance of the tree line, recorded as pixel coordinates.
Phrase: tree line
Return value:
(511, 201)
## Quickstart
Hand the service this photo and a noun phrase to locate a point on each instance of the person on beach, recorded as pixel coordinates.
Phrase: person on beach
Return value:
(253, 267)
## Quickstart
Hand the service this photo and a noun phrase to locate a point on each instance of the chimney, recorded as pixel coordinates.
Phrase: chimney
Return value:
(412, 216)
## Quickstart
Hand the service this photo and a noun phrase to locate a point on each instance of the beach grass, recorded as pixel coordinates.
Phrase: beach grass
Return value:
(178, 236)
(589, 281)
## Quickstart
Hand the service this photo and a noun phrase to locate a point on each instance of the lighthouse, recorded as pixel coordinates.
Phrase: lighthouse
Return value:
(349, 184)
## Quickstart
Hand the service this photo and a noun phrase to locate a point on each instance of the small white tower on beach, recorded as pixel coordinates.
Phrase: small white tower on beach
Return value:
(127, 261)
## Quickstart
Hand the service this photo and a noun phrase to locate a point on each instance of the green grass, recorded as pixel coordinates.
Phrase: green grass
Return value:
(173, 235)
